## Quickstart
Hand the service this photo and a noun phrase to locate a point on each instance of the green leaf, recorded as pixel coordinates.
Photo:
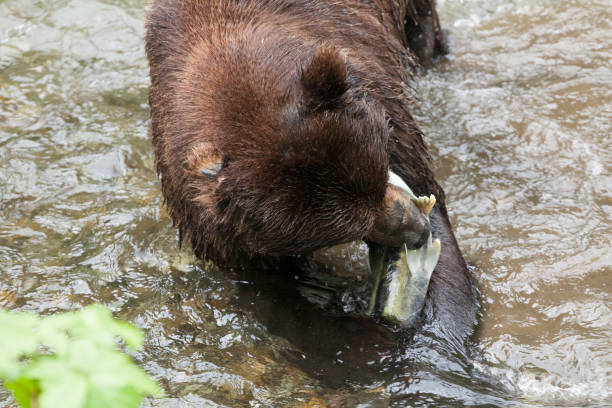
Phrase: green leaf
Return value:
(79, 364)
(97, 322)
(46, 368)
(18, 341)
(67, 390)
(23, 389)
(108, 376)
(132, 336)
(124, 397)
(92, 323)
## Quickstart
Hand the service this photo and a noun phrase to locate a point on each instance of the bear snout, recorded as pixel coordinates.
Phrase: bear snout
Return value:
(400, 221)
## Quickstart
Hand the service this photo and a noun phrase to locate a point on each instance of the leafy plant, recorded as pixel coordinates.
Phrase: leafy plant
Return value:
(71, 360)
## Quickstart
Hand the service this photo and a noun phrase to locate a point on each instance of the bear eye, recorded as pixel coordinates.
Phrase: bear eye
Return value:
(205, 159)
(211, 169)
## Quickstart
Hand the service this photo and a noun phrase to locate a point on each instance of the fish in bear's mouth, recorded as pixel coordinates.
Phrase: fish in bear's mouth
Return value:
(393, 284)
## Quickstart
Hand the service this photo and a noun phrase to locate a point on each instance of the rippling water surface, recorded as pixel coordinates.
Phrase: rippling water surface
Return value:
(519, 121)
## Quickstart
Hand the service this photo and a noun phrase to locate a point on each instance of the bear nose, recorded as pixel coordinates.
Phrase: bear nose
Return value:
(400, 221)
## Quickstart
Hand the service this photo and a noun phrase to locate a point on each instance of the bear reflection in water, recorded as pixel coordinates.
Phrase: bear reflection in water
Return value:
(276, 125)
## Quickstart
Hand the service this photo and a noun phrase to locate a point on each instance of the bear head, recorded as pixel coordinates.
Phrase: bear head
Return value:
(265, 157)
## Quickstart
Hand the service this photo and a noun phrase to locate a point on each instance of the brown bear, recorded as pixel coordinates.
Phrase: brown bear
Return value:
(276, 123)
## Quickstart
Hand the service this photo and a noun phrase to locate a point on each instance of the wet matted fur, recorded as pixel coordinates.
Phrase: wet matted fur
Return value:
(301, 107)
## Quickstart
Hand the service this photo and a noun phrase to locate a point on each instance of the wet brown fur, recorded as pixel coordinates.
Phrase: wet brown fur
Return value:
(305, 106)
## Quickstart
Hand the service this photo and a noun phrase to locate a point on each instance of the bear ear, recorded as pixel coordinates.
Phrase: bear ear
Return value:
(324, 79)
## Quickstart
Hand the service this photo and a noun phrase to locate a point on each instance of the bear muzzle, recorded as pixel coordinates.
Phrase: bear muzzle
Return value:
(404, 219)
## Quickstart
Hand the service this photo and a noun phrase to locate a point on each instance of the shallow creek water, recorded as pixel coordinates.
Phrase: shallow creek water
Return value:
(518, 120)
